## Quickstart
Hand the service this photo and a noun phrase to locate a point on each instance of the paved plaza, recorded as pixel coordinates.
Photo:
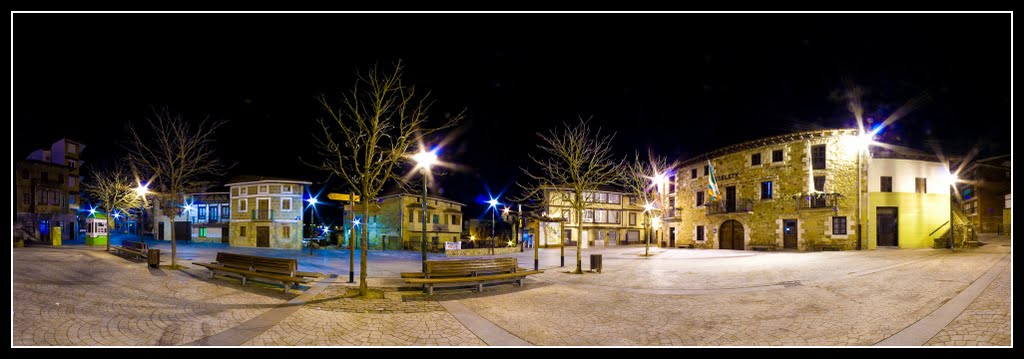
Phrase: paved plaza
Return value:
(77, 295)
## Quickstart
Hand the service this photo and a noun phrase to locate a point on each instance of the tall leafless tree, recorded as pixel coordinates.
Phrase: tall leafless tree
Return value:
(114, 188)
(575, 161)
(638, 179)
(369, 134)
(178, 157)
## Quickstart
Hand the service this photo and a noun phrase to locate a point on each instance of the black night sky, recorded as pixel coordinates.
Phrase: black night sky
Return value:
(682, 84)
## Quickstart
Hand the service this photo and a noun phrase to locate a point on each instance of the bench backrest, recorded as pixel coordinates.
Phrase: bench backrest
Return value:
(283, 266)
(469, 267)
(134, 245)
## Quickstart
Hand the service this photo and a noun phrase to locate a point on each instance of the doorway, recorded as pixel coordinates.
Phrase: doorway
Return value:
(672, 237)
(263, 236)
(888, 234)
(730, 235)
(789, 231)
(160, 230)
(224, 237)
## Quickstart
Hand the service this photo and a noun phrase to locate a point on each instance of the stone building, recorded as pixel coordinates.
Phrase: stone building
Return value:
(396, 222)
(41, 200)
(985, 183)
(803, 191)
(65, 153)
(611, 217)
(266, 212)
(206, 218)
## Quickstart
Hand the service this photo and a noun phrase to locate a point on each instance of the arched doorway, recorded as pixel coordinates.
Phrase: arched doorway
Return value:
(730, 235)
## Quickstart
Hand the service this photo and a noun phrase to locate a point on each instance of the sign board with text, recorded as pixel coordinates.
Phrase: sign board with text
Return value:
(452, 246)
(340, 197)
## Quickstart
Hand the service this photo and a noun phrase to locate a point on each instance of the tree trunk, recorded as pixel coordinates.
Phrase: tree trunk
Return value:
(110, 229)
(579, 243)
(363, 289)
(174, 245)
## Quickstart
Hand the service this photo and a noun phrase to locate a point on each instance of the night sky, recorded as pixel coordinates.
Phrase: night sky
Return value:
(681, 84)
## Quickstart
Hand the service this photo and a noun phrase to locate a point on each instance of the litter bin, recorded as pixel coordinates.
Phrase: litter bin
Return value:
(595, 263)
(153, 258)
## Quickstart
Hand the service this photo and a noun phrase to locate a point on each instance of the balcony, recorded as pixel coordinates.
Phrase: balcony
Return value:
(738, 206)
(263, 215)
(817, 201)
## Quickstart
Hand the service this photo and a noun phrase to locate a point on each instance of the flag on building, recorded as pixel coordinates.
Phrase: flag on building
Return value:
(712, 184)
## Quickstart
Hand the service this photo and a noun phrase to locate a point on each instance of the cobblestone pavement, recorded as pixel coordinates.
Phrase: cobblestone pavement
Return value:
(88, 297)
(80, 296)
(985, 322)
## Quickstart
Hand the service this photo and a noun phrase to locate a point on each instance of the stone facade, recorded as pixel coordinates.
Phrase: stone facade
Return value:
(790, 178)
(610, 218)
(986, 182)
(42, 198)
(267, 212)
(481, 251)
(395, 222)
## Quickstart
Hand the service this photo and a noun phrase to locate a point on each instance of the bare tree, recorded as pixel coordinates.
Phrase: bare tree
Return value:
(178, 157)
(575, 162)
(370, 134)
(638, 179)
(114, 188)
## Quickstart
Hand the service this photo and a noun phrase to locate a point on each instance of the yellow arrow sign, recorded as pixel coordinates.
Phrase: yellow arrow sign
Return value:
(340, 197)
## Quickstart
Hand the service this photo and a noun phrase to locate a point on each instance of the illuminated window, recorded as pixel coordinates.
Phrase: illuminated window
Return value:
(435, 219)
(921, 185)
(243, 205)
(632, 218)
(839, 225)
(819, 183)
(286, 188)
(565, 215)
(286, 204)
(588, 216)
(264, 188)
(286, 231)
(202, 231)
(766, 190)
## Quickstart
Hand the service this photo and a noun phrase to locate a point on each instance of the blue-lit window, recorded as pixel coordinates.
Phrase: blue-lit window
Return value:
(766, 190)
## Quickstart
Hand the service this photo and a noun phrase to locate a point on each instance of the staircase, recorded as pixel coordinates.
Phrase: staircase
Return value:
(965, 234)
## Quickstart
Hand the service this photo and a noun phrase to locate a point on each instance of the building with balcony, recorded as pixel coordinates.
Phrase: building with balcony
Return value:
(611, 217)
(65, 153)
(985, 183)
(41, 200)
(396, 222)
(800, 191)
(265, 212)
(205, 218)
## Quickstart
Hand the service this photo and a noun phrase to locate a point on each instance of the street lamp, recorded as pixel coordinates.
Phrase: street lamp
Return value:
(424, 160)
(660, 180)
(312, 201)
(952, 189)
(494, 206)
(648, 207)
(142, 190)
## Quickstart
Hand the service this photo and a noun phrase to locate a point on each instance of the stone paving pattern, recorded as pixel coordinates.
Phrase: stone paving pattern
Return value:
(985, 322)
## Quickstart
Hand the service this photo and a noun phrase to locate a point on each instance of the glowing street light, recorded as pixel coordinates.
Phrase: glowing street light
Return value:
(425, 159)
(142, 190)
(952, 178)
(493, 204)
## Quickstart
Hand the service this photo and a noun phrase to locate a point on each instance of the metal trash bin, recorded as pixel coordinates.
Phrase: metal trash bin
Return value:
(153, 258)
(595, 263)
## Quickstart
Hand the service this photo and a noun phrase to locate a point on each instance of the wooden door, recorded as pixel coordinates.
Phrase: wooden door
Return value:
(263, 236)
(789, 234)
(888, 234)
(730, 235)
(224, 237)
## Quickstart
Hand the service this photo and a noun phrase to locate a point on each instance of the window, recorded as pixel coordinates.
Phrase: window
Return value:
(705, 170)
(588, 216)
(412, 214)
(766, 190)
(700, 233)
(755, 159)
(243, 205)
(671, 202)
(566, 235)
(214, 211)
(286, 188)
(632, 218)
(25, 198)
(201, 213)
(632, 200)
(819, 183)
(693, 173)
(71, 200)
(921, 185)
(777, 156)
(818, 157)
(286, 231)
(286, 204)
(700, 198)
(601, 216)
(886, 184)
(565, 215)
(241, 231)
(839, 225)
(602, 197)
(202, 231)
(264, 189)
(613, 217)
(71, 181)
(72, 164)
(225, 211)
(614, 198)
(456, 219)
(435, 219)
(672, 184)
(588, 196)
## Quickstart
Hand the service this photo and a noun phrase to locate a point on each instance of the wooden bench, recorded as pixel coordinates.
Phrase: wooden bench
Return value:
(281, 270)
(684, 245)
(830, 247)
(134, 248)
(476, 271)
(763, 247)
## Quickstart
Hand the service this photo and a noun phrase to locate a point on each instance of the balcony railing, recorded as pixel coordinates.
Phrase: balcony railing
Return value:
(739, 206)
(263, 215)
(817, 200)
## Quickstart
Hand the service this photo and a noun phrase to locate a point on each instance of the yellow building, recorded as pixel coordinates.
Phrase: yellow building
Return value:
(803, 191)
(396, 222)
(266, 212)
(610, 218)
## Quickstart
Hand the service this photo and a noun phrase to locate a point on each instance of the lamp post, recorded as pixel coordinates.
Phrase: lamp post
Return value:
(312, 206)
(424, 160)
(648, 207)
(659, 182)
(141, 191)
(952, 195)
(494, 206)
